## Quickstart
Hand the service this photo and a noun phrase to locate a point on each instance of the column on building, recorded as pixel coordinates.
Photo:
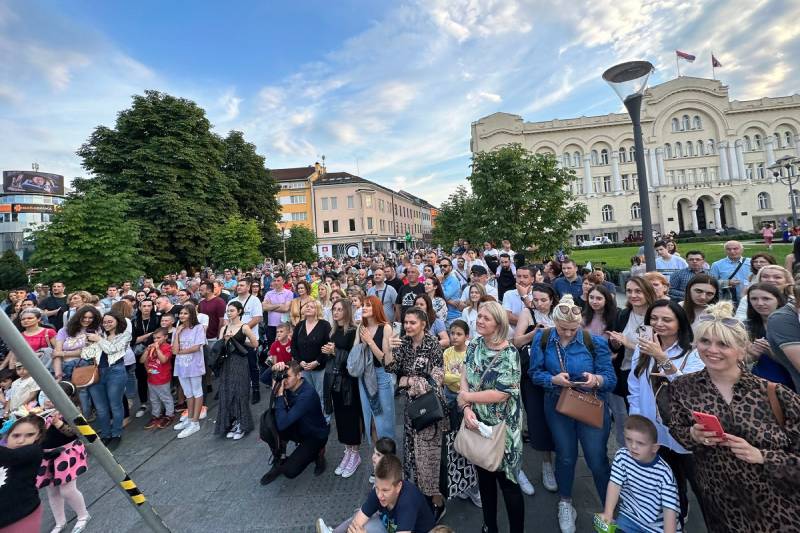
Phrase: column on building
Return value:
(732, 166)
(739, 148)
(769, 144)
(717, 216)
(797, 145)
(587, 175)
(662, 176)
(695, 224)
(616, 176)
(652, 168)
(723, 161)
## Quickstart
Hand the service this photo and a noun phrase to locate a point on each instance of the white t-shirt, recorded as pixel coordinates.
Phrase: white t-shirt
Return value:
(490, 290)
(512, 302)
(252, 309)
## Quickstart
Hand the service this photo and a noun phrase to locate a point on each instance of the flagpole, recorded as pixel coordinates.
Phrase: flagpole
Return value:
(713, 68)
(678, 64)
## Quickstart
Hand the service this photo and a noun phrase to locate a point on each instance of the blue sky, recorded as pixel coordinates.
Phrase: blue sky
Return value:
(385, 89)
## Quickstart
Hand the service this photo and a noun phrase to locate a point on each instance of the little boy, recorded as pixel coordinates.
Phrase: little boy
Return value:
(6, 379)
(157, 361)
(643, 481)
(281, 349)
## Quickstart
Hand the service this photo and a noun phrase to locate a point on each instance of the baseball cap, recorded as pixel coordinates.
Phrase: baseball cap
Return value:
(479, 269)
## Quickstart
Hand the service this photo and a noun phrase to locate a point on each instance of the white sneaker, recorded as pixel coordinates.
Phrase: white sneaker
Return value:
(234, 430)
(189, 430)
(343, 464)
(525, 484)
(566, 517)
(352, 465)
(549, 477)
(321, 527)
(182, 424)
(237, 435)
(141, 411)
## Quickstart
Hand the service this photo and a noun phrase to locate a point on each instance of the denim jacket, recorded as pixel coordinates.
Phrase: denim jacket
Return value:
(577, 358)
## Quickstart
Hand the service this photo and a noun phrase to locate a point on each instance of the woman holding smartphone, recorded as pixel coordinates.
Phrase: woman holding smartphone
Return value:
(657, 363)
(749, 475)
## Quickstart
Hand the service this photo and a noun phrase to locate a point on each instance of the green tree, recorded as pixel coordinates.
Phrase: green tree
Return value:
(301, 245)
(525, 198)
(235, 243)
(89, 243)
(12, 271)
(163, 156)
(456, 219)
(253, 189)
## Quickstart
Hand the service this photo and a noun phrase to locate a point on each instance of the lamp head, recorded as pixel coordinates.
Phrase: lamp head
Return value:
(629, 79)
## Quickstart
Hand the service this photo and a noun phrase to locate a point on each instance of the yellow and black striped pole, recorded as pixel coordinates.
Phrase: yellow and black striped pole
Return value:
(17, 344)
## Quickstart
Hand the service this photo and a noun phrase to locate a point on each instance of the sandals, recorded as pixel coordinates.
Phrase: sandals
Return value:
(80, 525)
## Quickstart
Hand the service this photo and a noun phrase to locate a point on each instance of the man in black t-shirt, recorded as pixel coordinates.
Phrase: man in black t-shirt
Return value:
(55, 305)
(407, 293)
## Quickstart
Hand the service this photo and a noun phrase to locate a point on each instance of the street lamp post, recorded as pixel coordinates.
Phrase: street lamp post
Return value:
(786, 162)
(629, 80)
(283, 239)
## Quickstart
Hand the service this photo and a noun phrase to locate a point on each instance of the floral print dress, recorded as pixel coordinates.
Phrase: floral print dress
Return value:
(504, 376)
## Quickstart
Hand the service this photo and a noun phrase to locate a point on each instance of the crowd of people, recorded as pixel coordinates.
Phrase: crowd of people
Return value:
(696, 376)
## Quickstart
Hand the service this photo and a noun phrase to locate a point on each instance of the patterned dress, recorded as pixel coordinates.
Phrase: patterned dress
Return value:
(739, 496)
(504, 376)
(422, 449)
(234, 391)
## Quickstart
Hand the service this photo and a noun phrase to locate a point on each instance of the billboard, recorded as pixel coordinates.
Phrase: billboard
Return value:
(30, 182)
(33, 208)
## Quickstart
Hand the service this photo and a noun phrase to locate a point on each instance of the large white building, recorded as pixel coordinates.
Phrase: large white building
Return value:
(706, 157)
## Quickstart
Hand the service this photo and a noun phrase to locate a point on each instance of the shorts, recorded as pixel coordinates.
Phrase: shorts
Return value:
(192, 387)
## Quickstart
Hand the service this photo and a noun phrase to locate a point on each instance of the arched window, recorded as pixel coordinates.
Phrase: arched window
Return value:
(636, 211)
(567, 159)
(577, 158)
(603, 156)
(632, 154)
(795, 197)
(778, 142)
(698, 124)
(757, 141)
(676, 125)
(685, 123)
(607, 212)
(678, 150)
(789, 138)
(710, 147)
(668, 151)
(594, 157)
(689, 149)
(623, 155)
(764, 201)
(748, 146)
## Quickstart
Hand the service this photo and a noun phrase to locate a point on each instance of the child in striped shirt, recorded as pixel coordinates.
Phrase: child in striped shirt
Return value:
(643, 482)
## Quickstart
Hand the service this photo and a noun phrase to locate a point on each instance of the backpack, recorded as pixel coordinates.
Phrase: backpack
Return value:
(587, 340)
(268, 430)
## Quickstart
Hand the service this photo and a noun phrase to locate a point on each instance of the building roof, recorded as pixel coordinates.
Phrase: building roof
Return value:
(292, 174)
(342, 178)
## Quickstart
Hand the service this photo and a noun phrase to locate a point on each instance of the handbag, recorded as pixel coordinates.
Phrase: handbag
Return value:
(480, 451)
(585, 407)
(356, 359)
(217, 356)
(662, 394)
(426, 409)
(85, 376)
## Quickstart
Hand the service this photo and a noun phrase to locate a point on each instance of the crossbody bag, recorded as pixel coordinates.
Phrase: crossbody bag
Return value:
(583, 406)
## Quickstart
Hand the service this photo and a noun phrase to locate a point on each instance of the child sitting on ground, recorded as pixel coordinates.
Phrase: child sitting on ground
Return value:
(157, 359)
(638, 466)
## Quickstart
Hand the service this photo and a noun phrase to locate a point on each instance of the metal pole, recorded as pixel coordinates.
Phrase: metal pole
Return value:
(634, 106)
(16, 343)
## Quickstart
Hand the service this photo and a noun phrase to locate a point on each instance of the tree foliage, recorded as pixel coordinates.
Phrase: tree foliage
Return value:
(89, 243)
(253, 189)
(12, 271)
(163, 156)
(235, 243)
(516, 195)
(301, 245)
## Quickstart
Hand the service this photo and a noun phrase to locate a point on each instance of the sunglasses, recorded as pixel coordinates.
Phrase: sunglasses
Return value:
(566, 309)
(730, 322)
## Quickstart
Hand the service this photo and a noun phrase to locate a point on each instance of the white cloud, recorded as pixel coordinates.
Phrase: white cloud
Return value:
(270, 98)
(484, 96)
(229, 103)
(463, 19)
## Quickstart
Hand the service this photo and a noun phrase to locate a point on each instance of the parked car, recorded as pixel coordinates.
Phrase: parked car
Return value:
(596, 241)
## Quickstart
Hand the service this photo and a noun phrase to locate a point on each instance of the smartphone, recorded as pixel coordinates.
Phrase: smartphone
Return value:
(645, 332)
(396, 328)
(709, 423)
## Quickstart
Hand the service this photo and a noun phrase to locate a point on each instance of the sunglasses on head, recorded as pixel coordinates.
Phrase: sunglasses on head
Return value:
(566, 309)
(730, 322)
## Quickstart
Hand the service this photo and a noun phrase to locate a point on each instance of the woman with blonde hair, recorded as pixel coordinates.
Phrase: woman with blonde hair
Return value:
(748, 476)
(76, 300)
(570, 357)
(310, 335)
(659, 283)
(324, 297)
(490, 393)
(772, 275)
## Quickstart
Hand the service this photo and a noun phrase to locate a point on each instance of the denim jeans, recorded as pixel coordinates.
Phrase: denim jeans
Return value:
(619, 412)
(317, 379)
(107, 396)
(626, 525)
(384, 422)
(567, 432)
(130, 383)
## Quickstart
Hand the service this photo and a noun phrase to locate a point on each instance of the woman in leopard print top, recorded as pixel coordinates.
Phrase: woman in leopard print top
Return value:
(750, 478)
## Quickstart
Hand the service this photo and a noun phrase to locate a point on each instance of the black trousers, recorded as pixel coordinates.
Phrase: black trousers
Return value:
(306, 452)
(538, 430)
(271, 333)
(682, 465)
(512, 494)
(252, 364)
(141, 382)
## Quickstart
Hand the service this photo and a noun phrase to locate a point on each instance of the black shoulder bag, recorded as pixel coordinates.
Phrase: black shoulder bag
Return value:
(426, 409)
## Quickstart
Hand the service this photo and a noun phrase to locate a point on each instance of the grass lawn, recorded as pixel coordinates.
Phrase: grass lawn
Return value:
(621, 257)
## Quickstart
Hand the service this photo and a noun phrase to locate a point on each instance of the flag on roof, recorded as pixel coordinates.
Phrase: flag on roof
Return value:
(683, 55)
(715, 62)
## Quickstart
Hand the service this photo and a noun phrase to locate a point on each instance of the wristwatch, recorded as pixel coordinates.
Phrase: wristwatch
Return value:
(666, 365)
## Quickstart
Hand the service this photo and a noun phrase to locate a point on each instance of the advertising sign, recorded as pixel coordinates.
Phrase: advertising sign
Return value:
(353, 250)
(33, 208)
(30, 182)
(325, 250)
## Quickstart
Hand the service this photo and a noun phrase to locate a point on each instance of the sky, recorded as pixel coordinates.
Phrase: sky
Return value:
(383, 89)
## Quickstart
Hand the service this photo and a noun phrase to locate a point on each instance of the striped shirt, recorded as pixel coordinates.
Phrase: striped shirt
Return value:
(646, 490)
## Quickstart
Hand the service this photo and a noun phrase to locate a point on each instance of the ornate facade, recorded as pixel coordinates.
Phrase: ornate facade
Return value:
(706, 158)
